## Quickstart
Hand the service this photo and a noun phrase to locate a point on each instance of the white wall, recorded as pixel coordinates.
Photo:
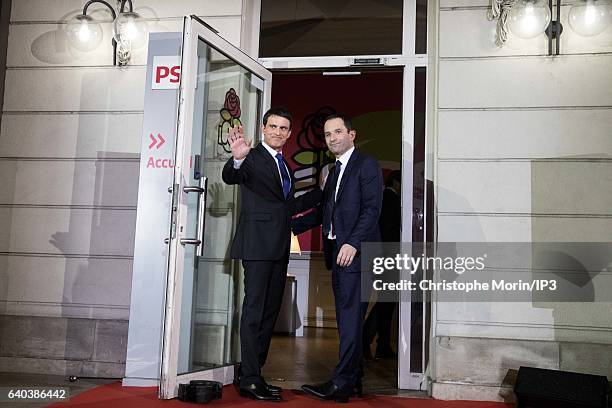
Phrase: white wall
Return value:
(69, 159)
(523, 153)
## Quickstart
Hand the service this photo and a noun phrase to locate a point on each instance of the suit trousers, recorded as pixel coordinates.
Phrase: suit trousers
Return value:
(350, 312)
(264, 284)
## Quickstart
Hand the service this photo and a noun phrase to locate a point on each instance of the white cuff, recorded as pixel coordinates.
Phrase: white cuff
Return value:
(238, 163)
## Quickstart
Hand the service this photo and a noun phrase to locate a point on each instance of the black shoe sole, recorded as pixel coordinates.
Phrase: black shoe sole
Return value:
(248, 394)
(312, 393)
(337, 398)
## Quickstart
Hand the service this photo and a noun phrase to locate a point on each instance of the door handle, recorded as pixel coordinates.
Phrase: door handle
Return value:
(193, 189)
(202, 214)
(202, 191)
(190, 241)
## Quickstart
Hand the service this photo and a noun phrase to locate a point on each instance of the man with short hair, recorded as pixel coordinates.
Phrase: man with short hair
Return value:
(262, 240)
(349, 212)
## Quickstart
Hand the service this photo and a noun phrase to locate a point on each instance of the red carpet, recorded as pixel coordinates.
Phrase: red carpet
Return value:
(114, 395)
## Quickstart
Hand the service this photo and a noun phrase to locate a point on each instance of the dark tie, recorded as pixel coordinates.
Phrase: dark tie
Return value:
(284, 174)
(331, 200)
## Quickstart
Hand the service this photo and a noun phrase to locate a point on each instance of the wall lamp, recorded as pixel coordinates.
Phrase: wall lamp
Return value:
(529, 18)
(129, 31)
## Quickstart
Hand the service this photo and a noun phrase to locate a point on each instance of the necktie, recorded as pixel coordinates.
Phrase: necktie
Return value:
(337, 169)
(284, 174)
(331, 202)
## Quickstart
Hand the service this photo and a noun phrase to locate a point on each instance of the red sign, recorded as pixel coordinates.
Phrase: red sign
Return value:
(155, 142)
(166, 72)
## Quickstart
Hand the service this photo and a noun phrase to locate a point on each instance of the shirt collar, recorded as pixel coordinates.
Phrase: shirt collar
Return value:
(270, 150)
(344, 158)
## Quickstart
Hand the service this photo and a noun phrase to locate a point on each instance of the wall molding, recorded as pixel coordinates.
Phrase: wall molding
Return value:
(71, 207)
(519, 215)
(74, 159)
(525, 56)
(74, 112)
(103, 21)
(524, 108)
(524, 331)
(49, 366)
(527, 159)
(67, 256)
(28, 308)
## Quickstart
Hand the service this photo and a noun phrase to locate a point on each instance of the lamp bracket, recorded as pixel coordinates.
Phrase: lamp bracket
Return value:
(554, 30)
(90, 2)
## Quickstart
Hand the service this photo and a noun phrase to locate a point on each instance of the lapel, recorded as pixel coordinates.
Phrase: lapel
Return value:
(272, 167)
(347, 172)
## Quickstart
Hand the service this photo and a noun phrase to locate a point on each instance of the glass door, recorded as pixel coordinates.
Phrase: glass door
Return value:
(220, 87)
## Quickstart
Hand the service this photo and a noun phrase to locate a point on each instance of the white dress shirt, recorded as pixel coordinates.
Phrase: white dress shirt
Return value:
(273, 153)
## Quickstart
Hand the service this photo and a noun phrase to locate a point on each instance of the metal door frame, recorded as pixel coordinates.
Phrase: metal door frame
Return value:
(409, 60)
(193, 30)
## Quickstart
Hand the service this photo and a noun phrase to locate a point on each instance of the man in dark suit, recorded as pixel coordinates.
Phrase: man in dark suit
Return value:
(350, 209)
(262, 240)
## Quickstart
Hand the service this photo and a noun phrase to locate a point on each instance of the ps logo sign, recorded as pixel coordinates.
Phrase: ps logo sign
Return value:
(166, 72)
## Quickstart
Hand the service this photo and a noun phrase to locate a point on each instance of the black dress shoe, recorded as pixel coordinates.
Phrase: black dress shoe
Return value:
(326, 391)
(258, 392)
(273, 389)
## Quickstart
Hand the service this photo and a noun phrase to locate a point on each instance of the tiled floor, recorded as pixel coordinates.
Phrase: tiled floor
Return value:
(294, 361)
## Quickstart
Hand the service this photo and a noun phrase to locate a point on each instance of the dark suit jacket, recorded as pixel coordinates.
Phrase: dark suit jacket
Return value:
(356, 211)
(263, 231)
(390, 216)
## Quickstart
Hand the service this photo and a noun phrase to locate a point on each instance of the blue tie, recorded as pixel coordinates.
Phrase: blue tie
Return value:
(284, 174)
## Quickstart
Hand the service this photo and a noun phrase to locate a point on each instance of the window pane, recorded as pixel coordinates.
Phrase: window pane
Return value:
(421, 27)
(421, 214)
(297, 28)
(225, 96)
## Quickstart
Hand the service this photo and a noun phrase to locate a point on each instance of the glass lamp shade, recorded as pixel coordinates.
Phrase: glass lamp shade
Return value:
(590, 17)
(529, 18)
(84, 33)
(130, 27)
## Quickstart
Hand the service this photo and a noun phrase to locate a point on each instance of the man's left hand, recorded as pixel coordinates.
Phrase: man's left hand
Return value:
(346, 254)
